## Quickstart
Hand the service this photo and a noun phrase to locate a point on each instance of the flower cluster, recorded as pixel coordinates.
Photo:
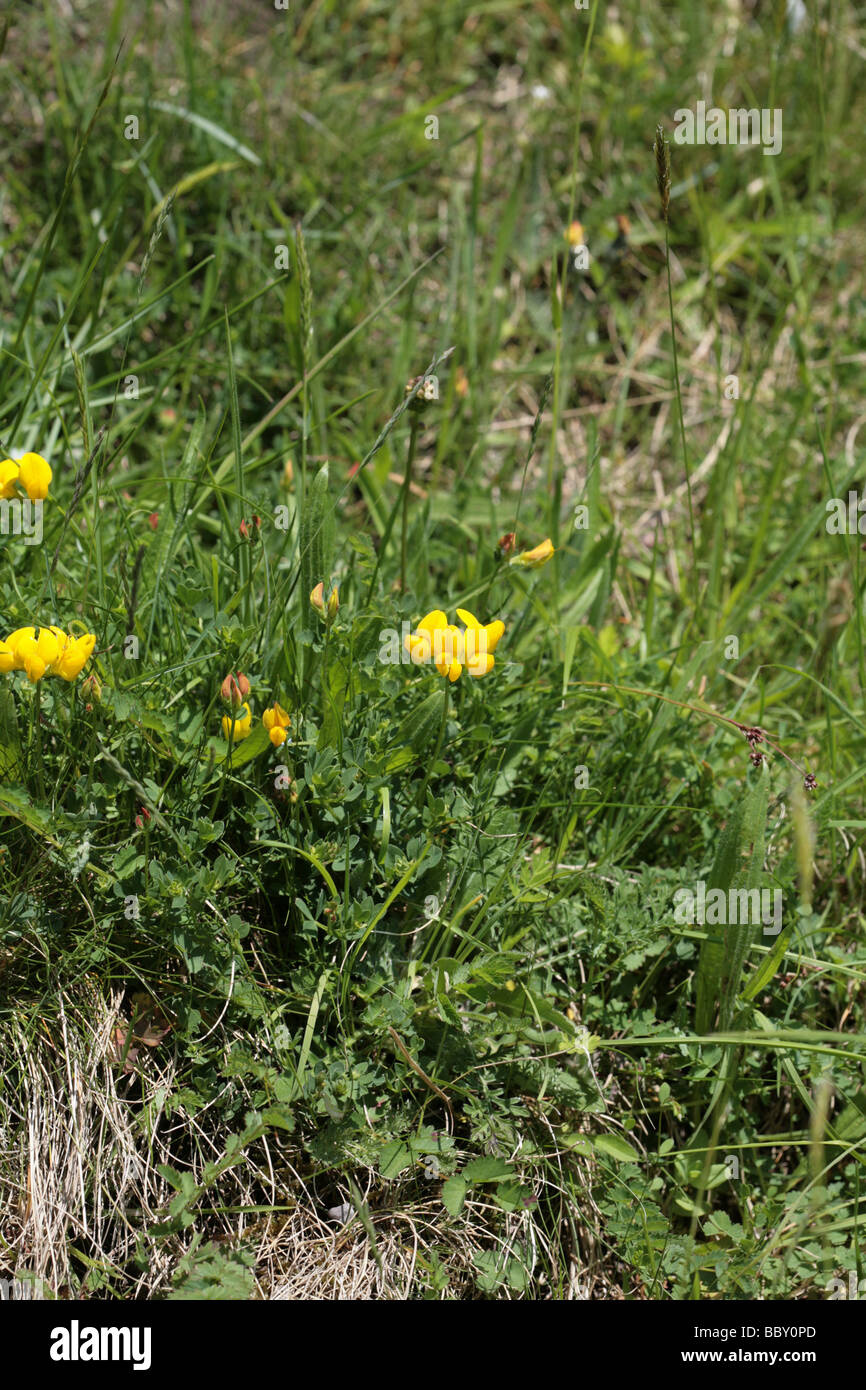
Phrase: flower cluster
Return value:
(754, 736)
(451, 649)
(46, 651)
(239, 724)
(31, 472)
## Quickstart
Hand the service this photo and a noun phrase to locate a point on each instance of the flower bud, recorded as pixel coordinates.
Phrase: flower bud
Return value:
(534, 559)
(505, 546)
(91, 690)
(235, 688)
(327, 611)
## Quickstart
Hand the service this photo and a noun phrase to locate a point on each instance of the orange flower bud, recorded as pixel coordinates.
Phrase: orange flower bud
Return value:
(235, 688)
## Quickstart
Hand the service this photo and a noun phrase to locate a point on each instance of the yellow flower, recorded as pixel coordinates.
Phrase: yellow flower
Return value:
(534, 559)
(52, 652)
(34, 475)
(450, 649)
(40, 653)
(243, 724)
(74, 656)
(480, 642)
(574, 234)
(8, 477)
(276, 721)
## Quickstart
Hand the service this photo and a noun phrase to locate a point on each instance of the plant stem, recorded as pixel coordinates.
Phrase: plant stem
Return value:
(422, 795)
(404, 531)
(37, 726)
(688, 472)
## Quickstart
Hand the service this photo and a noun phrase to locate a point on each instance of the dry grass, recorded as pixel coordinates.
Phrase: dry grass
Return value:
(84, 1128)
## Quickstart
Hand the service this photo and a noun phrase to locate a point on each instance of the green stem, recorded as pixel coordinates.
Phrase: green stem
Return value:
(325, 687)
(682, 421)
(422, 795)
(404, 530)
(40, 764)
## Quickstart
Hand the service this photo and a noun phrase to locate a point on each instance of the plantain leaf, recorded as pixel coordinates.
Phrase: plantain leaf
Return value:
(739, 864)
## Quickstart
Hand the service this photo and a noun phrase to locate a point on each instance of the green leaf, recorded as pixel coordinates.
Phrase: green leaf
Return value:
(614, 1146)
(333, 699)
(417, 731)
(487, 1170)
(10, 744)
(510, 1196)
(454, 1195)
(739, 864)
(395, 1158)
(255, 743)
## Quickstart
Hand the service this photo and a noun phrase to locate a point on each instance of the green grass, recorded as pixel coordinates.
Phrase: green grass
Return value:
(423, 959)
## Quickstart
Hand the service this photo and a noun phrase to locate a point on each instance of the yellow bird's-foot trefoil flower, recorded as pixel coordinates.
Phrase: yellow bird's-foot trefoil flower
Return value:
(34, 475)
(74, 656)
(534, 559)
(242, 724)
(276, 721)
(8, 477)
(46, 651)
(479, 642)
(450, 648)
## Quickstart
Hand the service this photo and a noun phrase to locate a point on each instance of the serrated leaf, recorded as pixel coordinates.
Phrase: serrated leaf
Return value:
(487, 1170)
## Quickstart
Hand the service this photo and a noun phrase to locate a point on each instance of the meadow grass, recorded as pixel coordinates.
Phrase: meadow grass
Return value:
(402, 1006)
